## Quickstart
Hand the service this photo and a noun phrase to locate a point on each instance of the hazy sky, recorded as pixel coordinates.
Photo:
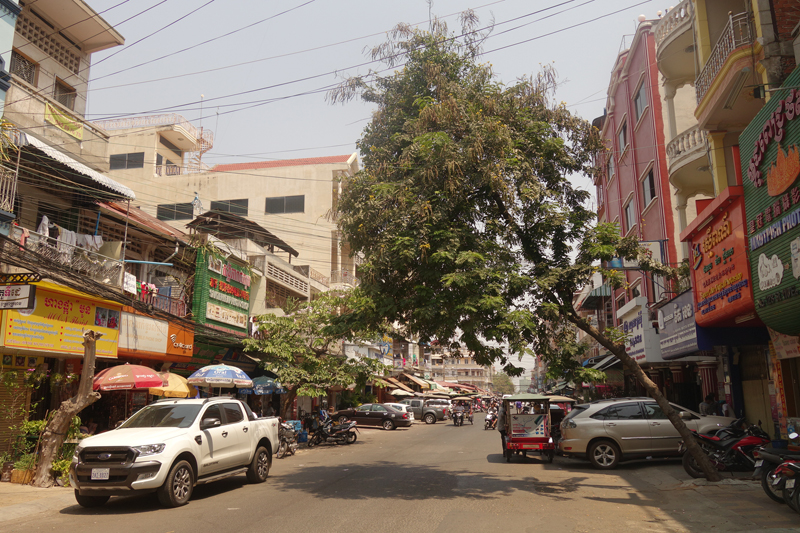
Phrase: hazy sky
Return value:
(269, 103)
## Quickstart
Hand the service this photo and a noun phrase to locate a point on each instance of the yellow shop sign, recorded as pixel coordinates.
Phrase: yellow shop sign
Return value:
(57, 321)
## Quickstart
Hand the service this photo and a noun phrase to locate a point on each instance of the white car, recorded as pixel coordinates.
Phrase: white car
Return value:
(172, 445)
(402, 407)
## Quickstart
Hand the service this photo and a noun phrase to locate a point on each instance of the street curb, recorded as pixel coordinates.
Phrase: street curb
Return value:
(23, 501)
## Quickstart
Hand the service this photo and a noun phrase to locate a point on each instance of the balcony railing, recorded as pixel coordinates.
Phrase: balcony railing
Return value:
(173, 306)
(206, 139)
(345, 277)
(693, 139)
(78, 260)
(677, 19)
(8, 189)
(170, 170)
(737, 33)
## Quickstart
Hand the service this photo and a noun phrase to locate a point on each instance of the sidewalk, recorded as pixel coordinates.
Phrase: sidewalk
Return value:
(20, 501)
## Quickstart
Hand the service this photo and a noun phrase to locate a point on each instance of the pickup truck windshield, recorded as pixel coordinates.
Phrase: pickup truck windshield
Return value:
(163, 416)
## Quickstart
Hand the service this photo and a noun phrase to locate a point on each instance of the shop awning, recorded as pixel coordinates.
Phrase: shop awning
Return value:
(397, 384)
(418, 381)
(94, 176)
(609, 361)
(595, 298)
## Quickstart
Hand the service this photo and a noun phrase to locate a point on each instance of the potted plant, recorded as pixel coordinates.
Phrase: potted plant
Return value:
(8, 466)
(23, 469)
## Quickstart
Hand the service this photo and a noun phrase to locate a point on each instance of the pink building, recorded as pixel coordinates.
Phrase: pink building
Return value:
(634, 190)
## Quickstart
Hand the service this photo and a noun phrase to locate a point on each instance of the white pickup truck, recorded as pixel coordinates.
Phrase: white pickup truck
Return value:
(172, 445)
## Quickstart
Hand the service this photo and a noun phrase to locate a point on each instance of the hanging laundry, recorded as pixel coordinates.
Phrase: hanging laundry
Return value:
(43, 228)
(67, 240)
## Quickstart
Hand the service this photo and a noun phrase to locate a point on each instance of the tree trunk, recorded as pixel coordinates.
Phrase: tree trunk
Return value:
(55, 432)
(288, 401)
(703, 461)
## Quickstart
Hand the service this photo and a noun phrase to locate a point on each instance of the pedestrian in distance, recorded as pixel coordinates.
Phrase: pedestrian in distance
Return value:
(708, 405)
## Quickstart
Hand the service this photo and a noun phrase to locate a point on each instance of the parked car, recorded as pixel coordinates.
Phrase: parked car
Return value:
(404, 408)
(422, 410)
(375, 414)
(609, 431)
(172, 445)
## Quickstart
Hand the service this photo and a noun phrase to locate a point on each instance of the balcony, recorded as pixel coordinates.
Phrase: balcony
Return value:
(173, 306)
(344, 277)
(675, 42)
(8, 191)
(170, 170)
(737, 33)
(184, 135)
(686, 147)
(77, 260)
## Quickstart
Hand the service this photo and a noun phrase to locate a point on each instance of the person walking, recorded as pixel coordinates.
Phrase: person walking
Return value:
(501, 424)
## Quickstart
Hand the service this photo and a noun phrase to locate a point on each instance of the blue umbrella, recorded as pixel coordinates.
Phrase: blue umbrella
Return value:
(221, 376)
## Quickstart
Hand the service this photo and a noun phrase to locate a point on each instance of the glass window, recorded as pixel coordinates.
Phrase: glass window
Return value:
(379, 409)
(654, 412)
(23, 67)
(236, 207)
(213, 412)
(630, 216)
(601, 414)
(64, 94)
(610, 167)
(123, 161)
(285, 204)
(175, 211)
(649, 188)
(622, 138)
(168, 416)
(626, 411)
(364, 408)
(233, 413)
(640, 101)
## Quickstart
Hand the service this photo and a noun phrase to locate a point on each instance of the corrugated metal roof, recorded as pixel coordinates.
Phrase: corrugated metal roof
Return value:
(283, 163)
(101, 179)
(140, 217)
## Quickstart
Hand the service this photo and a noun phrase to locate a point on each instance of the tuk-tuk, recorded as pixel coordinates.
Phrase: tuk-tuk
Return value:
(528, 431)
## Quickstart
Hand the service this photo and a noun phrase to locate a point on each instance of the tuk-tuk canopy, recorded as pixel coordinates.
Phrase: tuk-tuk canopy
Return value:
(528, 398)
(562, 399)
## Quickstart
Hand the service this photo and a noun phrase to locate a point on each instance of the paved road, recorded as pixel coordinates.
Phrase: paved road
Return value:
(435, 478)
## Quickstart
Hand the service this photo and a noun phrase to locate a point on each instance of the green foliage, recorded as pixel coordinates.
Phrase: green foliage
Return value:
(502, 383)
(26, 462)
(306, 353)
(60, 469)
(464, 214)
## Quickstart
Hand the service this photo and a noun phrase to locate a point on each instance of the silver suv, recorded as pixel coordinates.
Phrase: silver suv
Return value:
(608, 431)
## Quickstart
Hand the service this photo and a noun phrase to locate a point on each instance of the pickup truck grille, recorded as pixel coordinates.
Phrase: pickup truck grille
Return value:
(112, 455)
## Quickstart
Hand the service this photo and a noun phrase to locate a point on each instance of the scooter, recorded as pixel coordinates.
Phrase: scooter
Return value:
(458, 418)
(341, 434)
(488, 422)
(768, 461)
(287, 437)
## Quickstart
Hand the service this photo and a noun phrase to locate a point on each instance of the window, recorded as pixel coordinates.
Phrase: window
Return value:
(626, 411)
(649, 188)
(64, 94)
(621, 301)
(364, 408)
(125, 161)
(630, 216)
(600, 196)
(236, 207)
(636, 291)
(175, 211)
(285, 204)
(640, 101)
(610, 168)
(622, 137)
(233, 413)
(377, 408)
(213, 412)
(654, 412)
(23, 67)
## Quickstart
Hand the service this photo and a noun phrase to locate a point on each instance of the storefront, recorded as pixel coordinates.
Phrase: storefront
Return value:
(686, 347)
(46, 335)
(725, 308)
(641, 343)
(770, 151)
(221, 297)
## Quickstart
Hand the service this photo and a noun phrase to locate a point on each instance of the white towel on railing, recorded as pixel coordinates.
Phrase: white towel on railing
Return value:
(90, 242)
(43, 228)
(67, 240)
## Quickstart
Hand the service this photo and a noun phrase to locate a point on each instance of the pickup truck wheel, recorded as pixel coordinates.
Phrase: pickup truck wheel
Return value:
(90, 501)
(259, 467)
(388, 424)
(178, 487)
(430, 418)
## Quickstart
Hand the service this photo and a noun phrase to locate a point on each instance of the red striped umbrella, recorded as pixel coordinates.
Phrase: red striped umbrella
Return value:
(125, 377)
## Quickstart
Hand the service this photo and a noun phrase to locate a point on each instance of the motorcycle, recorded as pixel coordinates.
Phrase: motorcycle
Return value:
(728, 452)
(287, 437)
(339, 434)
(458, 418)
(768, 463)
(489, 421)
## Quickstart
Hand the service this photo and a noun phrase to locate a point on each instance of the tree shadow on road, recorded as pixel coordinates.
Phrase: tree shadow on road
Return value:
(415, 482)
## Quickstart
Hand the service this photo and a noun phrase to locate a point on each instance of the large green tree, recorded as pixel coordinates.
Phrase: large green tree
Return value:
(470, 228)
(305, 355)
(502, 383)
